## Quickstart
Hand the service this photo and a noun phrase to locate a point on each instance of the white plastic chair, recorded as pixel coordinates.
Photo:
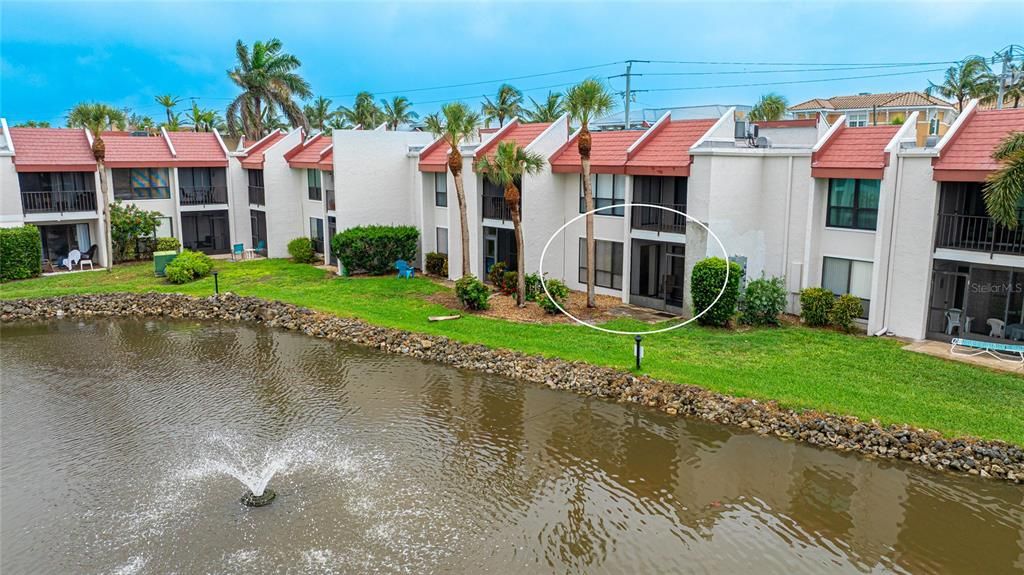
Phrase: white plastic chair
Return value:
(74, 256)
(996, 327)
(952, 320)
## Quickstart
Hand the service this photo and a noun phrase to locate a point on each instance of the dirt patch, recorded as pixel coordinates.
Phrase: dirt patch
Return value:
(504, 307)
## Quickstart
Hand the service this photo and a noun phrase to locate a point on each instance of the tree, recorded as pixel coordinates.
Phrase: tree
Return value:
(585, 101)
(32, 124)
(769, 107)
(319, 114)
(505, 106)
(458, 125)
(1004, 191)
(202, 120)
(141, 123)
(98, 118)
(168, 102)
(511, 161)
(129, 223)
(364, 112)
(398, 111)
(269, 82)
(1013, 92)
(549, 111)
(173, 124)
(971, 78)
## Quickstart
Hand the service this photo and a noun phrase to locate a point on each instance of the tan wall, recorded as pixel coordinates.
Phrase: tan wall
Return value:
(885, 117)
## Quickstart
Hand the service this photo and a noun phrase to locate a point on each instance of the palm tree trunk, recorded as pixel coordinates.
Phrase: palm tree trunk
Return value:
(105, 202)
(512, 198)
(588, 201)
(455, 165)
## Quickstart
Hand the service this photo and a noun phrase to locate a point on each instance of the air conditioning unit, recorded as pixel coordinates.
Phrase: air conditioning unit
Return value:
(931, 141)
(740, 132)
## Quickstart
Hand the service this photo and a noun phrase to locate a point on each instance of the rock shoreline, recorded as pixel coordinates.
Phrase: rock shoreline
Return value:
(966, 456)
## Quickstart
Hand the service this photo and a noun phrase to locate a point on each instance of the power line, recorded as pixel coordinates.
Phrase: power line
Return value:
(722, 63)
(790, 81)
(789, 71)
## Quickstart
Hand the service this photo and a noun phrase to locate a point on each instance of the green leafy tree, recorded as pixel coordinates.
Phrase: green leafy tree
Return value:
(129, 223)
(32, 124)
(510, 162)
(548, 111)
(270, 83)
(968, 79)
(169, 102)
(203, 120)
(1004, 191)
(505, 106)
(769, 107)
(173, 124)
(398, 111)
(320, 115)
(364, 112)
(458, 124)
(585, 101)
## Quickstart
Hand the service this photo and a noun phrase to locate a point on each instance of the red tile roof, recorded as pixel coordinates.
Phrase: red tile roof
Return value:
(607, 153)
(307, 154)
(666, 149)
(854, 153)
(198, 150)
(434, 158)
(516, 131)
(326, 162)
(127, 151)
(253, 159)
(968, 155)
(864, 101)
(51, 150)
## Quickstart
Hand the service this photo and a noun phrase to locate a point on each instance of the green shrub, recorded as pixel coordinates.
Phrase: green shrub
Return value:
(301, 250)
(705, 284)
(509, 283)
(763, 302)
(815, 305)
(533, 290)
(188, 266)
(472, 292)
(559, 292)
(496, 274)
(131, 231)
(845, 309)
(21, 252)
(375, 249)
(437, 264)
(167, 245)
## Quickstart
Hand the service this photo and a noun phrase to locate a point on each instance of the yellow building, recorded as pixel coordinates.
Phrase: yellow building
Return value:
(935, 117)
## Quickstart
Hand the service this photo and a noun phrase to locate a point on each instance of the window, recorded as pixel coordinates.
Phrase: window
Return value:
(141, 184)
(608, 271)
(609, 189)
(843, 276)
(933, 127)
(856, 119)
(441, 239)
(315, 188)
(164, 227)
(441, 189)
(853, 204)
(316, 233)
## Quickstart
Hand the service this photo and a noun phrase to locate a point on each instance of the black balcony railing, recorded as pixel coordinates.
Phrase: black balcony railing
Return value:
(330, 200)
(658, 220)
(51, 202)
(203, 195)
(257, 195)
(979, 233)
(496, 208)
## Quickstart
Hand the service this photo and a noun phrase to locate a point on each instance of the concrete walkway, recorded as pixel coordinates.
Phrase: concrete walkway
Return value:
(941, 349)
(642, 314)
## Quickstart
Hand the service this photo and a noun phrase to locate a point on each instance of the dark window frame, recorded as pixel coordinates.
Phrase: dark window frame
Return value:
(604, 202)
(865, 303)
(610, 275)
(441, 197)
(855, 211)
(133, 193)
(314, 185)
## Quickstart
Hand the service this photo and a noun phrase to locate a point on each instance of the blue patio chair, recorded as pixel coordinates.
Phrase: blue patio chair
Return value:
(404, 269)
(237, 252)
(261, 248)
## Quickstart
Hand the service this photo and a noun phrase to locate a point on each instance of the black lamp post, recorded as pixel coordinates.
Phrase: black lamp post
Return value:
(639, 350)
(216, 289)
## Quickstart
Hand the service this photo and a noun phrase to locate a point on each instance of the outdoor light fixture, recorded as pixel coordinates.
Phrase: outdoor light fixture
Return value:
(216, 291)
(639, 350)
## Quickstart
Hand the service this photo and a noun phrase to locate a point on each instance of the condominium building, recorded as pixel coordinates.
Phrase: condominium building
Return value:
(934, 115)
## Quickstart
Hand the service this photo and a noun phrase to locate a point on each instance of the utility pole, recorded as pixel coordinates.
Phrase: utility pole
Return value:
(628, 94)
(1007, 55)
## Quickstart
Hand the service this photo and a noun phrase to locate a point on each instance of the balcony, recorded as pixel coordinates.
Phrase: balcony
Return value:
(203, 195)
(658, 220)
(980, 234)
(54, 202)
(330, 200)
(496, 208)
(257, 195)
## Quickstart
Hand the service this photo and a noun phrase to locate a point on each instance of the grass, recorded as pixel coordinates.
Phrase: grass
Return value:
(799, 367)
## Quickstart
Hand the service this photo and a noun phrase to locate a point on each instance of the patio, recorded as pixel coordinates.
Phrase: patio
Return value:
(941, 349)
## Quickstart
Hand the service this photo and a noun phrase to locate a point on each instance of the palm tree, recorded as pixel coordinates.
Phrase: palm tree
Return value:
(319, 114)
(769, 107)
(458, 125)
(1013, 92)
(505, 106)
(269, 82)
(202, 120)
(1004, 190)
(398, 111)
(32, 124)
(98, 118)
(168, 102)
(585, 101)
(510, 162)
(141, 123)
(549, 111)
(364, 112)
(173, 124)
(971, 78)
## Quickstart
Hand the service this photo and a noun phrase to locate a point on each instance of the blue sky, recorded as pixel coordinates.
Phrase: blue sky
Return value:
(53, 55)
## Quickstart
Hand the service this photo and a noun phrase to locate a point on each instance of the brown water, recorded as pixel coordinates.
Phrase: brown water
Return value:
(117, 435)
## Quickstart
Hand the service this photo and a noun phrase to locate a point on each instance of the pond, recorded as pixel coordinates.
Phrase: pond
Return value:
(125, 445)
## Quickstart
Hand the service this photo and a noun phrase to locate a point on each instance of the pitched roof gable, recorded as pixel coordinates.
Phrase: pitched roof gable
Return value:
(854, 153)
(968, 155)
(52, 150)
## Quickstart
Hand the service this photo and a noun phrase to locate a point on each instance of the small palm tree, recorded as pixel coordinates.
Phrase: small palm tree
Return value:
(364, 112)
(398, 111)
(173, 124)
(168, 102)
(769, 107)
(319, 114)
(550, 110)
(32, 124)
(971, 78)
(269, 82)
(201, 120)
(138, 122)
(511, 161)
(458, 125)
(505, 106)
(1004, 190)
(585, 101)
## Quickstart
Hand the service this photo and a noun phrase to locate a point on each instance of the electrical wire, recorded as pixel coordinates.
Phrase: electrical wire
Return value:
(786, 82)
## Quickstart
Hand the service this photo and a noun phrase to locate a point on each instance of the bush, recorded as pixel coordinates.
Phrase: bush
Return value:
(559, 292)
(375, 249)
(763, 302)
(21, 251)
(472, 292)
(705, 284)
(815, 305)
(533, 290)
(509, 283)
(437, 264)
(167, 245)
(188, 266)
(845, 309)
(131, 231)
(496, 274)
(301, 250)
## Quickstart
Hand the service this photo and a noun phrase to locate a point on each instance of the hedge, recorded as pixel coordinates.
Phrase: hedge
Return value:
(375, 249)
(472, 292)
(816, 306)
(188, 266)
(437, 264)
(301, 250)
(763, 302)
(706, 283)
(21, 252)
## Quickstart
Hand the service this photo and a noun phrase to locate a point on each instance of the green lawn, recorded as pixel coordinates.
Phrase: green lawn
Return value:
(799, 367)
